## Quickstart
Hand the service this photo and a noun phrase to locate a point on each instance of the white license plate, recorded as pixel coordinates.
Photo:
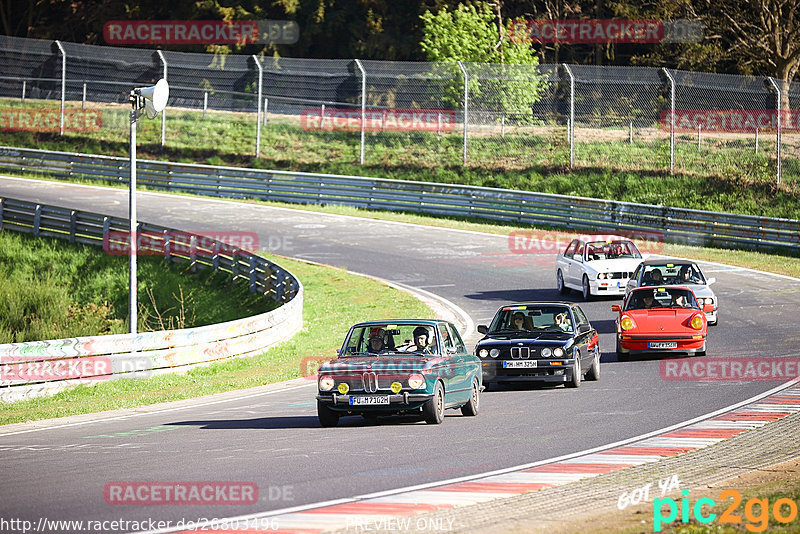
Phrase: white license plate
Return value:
(527, 364)
(361, 401)
(662, 345)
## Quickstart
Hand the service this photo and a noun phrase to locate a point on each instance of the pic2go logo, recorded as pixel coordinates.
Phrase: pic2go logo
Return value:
(756, 511)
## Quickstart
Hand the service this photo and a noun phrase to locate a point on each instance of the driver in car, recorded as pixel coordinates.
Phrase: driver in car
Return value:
(376, 343)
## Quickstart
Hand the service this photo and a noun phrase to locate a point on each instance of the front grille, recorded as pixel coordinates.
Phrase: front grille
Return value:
(370, 382)
(520, 353)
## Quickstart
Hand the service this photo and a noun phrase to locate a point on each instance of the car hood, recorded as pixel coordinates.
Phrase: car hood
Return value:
(612, 266)
(550, 339)
(380, 364)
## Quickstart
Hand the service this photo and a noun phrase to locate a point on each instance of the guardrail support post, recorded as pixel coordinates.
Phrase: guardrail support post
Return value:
(671, 81)
(252, 274)
(363, 106)
(774, 84)
(37, 219)
(73, 225)
(258, 104)
(63, 82)
(571, 120)
(163, 111)
(466, 107)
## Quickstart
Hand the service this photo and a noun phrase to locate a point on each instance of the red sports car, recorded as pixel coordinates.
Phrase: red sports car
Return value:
(661, 319)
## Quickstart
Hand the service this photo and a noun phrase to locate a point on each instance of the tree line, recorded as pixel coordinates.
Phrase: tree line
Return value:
(758, 37)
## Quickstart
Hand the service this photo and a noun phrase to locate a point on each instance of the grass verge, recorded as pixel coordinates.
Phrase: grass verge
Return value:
(334, 300)
(51, 289)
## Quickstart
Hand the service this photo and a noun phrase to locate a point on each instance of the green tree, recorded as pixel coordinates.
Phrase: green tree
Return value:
(502, 73)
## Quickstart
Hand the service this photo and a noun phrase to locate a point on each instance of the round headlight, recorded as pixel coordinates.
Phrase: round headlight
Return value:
(343, 388)
(558, 352)
(494, 353)
(483, 353)
(546, 352)
(697, 322)
(416, 381)
(396, 387)
(601, 276)
(325, 383)
(626, 323)
(709, 300)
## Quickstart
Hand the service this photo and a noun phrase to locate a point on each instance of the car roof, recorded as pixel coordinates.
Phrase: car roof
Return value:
(667, 287)
(427, 322)
(544, 303)
(662, 261)
(603, 237)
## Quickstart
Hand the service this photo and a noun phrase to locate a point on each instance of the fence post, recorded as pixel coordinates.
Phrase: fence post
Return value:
(63, 82)
(571, 123)
(466, 107)
(163, 111)
(671, 81)
(774, 84)
(630, 133)
(205, 103)
(322, 117)
(266, 103)
(258, 115)
(363, 105)
(756, 139)
(699, 134)
(24, 84)
(83, 101)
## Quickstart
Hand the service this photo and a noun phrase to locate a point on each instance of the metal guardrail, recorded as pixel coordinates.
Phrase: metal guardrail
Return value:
(683, 226)
(35, 368)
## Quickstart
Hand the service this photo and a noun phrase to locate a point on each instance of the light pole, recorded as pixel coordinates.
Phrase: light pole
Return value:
(149, 100)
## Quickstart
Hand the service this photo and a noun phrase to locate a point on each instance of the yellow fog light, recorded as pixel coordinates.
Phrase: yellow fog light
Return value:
(626, 323)
(343, 388)
(396, 387)
(697, 322)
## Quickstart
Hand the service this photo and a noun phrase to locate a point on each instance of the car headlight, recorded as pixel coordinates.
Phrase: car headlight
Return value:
(558, 352)
(343, 388)
(709, 300)
(697, 322)
(546, 352)
(626, 323)
(483, 353)
(601, 276)
(416, 381)
(494, 353)
(325, 383)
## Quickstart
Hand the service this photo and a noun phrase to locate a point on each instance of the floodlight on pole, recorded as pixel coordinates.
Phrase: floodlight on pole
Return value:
(148, 100)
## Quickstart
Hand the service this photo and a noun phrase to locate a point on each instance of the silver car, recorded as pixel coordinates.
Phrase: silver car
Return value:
(655, 272)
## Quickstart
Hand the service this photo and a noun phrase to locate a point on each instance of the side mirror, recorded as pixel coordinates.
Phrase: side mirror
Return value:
(583, 328)
(483, 329)
(711, 280)
(616, 307)
(708, 307)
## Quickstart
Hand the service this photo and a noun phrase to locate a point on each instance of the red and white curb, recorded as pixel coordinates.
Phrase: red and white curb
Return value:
(392, 508)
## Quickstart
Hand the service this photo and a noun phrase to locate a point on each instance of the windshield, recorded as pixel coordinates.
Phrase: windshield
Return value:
(609, 250)
(660, 297)
(392, 339)
(672, 274)
(525, 319)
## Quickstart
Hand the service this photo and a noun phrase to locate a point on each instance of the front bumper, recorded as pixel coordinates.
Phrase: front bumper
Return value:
(612, 286)
(546, 370)
(641, 345)
(397, 401)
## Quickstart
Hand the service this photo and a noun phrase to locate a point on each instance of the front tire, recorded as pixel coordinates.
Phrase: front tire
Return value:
(576, 373)
(471, 408)
(586, 290)
(433, 410)
(327, 417)
(560, 283)
(594, 370)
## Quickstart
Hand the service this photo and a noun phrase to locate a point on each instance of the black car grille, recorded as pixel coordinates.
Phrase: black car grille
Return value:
(520, 353)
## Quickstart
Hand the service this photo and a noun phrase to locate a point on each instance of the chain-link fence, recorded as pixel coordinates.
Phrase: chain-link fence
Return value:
(428, 115)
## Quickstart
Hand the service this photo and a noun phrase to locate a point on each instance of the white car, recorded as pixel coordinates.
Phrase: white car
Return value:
(668, 271)
(599, 266)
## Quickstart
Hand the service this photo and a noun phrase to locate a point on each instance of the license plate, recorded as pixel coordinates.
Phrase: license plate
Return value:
(527, 364)
(662, 345)
(362, 401)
